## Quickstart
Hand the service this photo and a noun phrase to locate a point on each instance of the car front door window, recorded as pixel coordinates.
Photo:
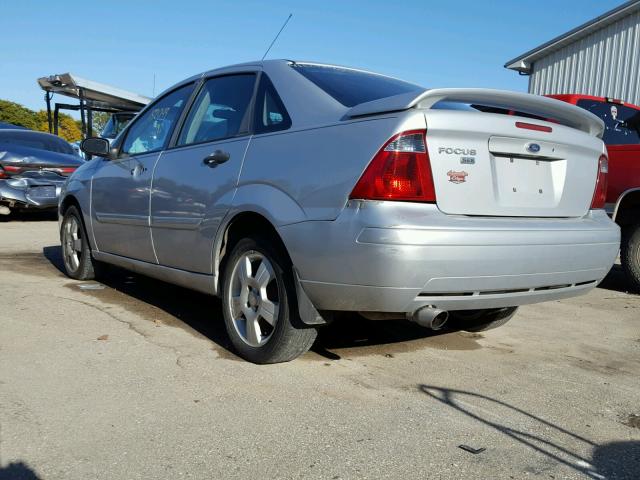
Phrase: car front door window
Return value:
(151, 131)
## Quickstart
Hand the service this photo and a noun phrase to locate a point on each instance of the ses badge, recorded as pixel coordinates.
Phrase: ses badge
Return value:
(457, 177)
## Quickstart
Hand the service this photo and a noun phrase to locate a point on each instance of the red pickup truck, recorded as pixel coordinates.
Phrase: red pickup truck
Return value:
(622, 137)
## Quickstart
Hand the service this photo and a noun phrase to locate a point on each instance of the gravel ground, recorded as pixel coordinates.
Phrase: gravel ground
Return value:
(132, 378)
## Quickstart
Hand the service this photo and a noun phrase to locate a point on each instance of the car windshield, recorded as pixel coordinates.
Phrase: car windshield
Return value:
(39, 141)
(622, 124)
(116, 124)
(353, 87)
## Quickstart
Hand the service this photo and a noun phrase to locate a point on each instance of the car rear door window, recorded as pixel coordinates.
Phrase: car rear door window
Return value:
(150, 132)
(270, 114)
(220, 110)
(622, 124)
(353, 87)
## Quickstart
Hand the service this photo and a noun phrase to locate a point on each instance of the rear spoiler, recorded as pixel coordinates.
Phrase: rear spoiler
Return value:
(555, 110)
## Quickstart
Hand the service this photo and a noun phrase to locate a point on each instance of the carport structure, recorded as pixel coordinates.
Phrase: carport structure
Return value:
(92, 97)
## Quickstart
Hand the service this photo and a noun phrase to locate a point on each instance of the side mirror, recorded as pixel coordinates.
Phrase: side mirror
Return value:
(97, 146)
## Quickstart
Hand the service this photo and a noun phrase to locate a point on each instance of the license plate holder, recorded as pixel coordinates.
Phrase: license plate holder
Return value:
(42, 191)
(526, 182)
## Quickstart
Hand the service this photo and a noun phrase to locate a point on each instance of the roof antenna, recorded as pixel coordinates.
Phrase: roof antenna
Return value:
(274, 40)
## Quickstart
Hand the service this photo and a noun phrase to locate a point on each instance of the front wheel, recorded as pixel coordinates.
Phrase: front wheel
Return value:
(630, 254)
(259, 304)
(481, 320)
(76, 252)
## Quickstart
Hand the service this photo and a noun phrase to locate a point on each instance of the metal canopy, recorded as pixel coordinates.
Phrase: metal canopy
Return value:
(93, 93)
(92, 96)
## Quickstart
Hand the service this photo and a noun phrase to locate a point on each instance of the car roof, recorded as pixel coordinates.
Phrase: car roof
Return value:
(11, 132)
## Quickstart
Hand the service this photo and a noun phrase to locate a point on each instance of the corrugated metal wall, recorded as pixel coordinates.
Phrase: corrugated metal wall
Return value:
(605, 63)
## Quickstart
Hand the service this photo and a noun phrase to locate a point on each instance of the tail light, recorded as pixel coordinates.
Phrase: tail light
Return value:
(65, 171)
(399, 171)
(600, 193)
(3, 173)
(12, 169)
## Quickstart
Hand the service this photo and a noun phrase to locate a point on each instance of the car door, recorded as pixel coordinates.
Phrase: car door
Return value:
(194, 181)
(121, 187)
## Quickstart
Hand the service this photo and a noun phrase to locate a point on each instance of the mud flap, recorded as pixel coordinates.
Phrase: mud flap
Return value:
(308, 313)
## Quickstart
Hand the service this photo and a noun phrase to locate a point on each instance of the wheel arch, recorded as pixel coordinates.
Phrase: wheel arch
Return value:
(68, 200)
(627, 205)
(239, 225)
(245, 223)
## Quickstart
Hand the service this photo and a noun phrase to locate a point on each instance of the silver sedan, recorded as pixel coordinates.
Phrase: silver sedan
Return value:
(296, 190)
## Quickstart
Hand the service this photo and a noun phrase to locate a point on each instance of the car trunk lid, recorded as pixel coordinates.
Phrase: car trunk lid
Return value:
(485, 164)
(499, 153)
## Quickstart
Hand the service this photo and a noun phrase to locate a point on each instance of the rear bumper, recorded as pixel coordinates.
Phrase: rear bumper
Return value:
(16, 192)
(395, 257)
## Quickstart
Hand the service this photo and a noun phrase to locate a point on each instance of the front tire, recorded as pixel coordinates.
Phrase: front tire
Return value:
(630, 254)
(76, 252)
(481, 320)
(259, 304)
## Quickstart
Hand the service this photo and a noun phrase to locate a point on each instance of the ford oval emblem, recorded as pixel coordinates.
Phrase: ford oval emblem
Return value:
(533, 147)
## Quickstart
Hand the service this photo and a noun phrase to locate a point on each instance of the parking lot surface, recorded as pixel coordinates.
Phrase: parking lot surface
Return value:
(132, 378)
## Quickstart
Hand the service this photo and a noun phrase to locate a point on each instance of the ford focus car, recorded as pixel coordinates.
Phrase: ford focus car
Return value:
(295, 190)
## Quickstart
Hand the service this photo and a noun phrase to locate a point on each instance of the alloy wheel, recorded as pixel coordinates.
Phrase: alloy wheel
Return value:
(71, 244)
(253, 298)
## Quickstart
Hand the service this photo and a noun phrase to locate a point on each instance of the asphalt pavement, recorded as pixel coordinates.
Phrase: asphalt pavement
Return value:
(132, 378)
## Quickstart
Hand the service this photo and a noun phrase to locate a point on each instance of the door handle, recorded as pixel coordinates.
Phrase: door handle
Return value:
(216, 158)
(138, 170)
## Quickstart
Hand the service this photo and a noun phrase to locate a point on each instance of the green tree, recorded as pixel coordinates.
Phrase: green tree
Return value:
(100, 119)
(68, 127)
(16, 114)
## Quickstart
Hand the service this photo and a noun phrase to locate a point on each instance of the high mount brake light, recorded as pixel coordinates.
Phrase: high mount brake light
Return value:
(600, 192)
(399, 171)
(533, 126)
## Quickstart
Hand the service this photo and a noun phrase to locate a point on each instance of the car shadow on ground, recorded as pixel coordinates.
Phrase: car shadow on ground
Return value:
(203, 313)
(18, 471)
(615, 460)
(616, 280)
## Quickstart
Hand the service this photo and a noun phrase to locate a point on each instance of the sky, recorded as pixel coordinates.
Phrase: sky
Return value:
(462, 43)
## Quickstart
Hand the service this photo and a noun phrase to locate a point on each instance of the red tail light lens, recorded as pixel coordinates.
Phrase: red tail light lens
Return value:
(67, 170)
(3, 174)
(399, 171)
(600, 193)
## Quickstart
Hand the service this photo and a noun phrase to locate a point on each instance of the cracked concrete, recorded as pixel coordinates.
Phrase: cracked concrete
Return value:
(553, 394)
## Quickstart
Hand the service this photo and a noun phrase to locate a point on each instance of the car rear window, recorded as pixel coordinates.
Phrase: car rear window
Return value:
(35, 140)
(353, 87)
(622, 124)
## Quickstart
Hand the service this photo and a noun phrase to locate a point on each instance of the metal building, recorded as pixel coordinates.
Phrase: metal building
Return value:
(601, 58)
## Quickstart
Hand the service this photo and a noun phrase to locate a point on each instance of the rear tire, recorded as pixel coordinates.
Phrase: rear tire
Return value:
(259, 303)
(481, 320)
(76, 252)
(630, 254)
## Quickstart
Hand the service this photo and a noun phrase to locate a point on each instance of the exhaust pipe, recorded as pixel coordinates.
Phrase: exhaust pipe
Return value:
(430, 317)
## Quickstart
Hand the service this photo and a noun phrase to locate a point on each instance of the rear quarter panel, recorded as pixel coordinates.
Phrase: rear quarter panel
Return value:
(308, 174)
